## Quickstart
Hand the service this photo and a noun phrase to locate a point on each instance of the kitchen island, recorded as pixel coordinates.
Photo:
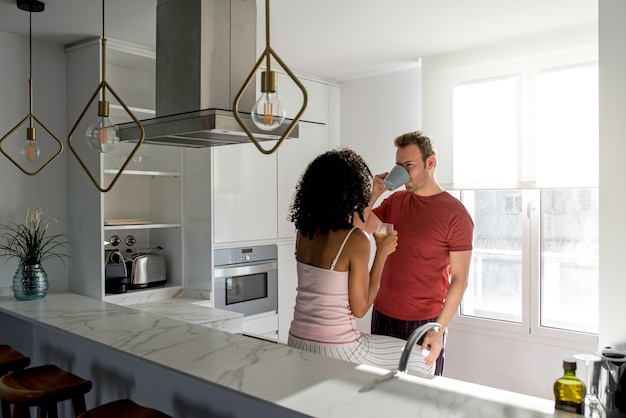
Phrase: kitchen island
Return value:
(188, 370)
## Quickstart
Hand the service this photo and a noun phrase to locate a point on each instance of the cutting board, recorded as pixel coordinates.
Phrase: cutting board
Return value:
(126, 221)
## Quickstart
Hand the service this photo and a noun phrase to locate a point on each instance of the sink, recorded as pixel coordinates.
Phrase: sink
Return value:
(413, 396)
(299, 380)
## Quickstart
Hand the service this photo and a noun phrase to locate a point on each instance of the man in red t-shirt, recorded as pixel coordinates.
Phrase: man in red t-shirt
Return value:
(424, 280)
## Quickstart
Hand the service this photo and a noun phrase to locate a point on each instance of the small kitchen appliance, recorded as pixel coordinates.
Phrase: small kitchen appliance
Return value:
(246, 279)
(611, 381)
(146, 268)
(116, 276)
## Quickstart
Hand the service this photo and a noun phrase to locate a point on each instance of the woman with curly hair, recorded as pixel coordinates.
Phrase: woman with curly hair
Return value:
(335, 285)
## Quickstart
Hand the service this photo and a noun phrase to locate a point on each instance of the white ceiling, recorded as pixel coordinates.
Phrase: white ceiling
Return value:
(333, 39)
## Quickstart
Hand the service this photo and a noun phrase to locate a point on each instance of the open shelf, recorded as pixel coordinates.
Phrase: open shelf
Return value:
(143, 295)
(144, 173)
(143, 226)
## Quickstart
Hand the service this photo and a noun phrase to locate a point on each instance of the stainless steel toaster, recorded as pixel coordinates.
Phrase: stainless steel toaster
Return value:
(146, 270)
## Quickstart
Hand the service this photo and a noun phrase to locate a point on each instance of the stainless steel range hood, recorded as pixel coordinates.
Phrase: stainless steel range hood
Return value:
(202, 128)
(205, 51)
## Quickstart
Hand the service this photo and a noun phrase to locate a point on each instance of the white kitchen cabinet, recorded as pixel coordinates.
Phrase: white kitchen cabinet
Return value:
(287, 284)
(263, 325)
(244, 193)
(197, 218)
(291, 97)
(146, 202)
(252, 191)
(294, 155)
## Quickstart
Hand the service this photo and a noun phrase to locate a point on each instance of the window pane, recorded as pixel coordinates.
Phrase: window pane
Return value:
(569, 259)
(566, 125)
(494, 289)
(485, 122)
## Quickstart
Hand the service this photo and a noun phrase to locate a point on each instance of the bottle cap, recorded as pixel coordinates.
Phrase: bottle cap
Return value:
(569, 364)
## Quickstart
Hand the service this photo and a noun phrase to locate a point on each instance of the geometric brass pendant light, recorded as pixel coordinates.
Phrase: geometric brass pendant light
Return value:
(103, 135)
(267, 113)
(30, 151)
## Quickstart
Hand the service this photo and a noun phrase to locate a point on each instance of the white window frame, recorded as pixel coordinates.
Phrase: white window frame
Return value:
(529, 329)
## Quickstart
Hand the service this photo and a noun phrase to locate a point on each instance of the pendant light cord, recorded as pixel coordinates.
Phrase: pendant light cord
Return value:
(30, 70)
(30, 46)
(267, 33)
(103, 94)
(102, 19)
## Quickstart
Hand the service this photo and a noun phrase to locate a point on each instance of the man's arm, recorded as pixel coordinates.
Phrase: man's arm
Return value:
(371, 220)
(459, 272)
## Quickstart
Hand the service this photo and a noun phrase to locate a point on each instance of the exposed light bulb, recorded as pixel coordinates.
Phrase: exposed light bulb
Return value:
(30, 151)
(103, 135)
(268, 112)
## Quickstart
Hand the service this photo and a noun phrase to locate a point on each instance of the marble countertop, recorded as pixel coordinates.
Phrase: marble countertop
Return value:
(194, 311)
(301, 381)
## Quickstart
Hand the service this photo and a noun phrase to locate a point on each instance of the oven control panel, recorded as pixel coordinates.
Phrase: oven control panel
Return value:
(228, 256)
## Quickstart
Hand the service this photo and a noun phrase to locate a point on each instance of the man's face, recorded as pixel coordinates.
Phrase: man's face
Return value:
(410, 157)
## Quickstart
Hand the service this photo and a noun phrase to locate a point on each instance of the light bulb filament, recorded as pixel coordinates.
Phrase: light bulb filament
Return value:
(30, 151)
(102, 135)
(268, 113)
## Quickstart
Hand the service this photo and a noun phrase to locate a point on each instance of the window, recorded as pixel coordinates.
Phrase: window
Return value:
(565, 224)
(486, 117)
(525, 163)
(569, 259)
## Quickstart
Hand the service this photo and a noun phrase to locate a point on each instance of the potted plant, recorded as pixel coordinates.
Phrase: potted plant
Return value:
(31, 244)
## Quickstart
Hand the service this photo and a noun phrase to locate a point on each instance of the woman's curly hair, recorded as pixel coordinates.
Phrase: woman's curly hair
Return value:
(335, 186)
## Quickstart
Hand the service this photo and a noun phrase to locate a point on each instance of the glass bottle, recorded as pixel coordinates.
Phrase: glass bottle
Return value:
(569, 391)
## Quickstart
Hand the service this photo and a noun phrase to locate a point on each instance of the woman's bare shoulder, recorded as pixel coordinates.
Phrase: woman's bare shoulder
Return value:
(360, 239)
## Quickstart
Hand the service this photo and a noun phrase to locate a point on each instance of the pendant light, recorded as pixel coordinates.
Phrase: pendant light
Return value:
(30, 152)
(268, 112)
(103, 136)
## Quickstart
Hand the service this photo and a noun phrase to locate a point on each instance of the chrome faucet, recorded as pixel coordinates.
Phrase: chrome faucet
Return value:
(404, 358)
(415, 336)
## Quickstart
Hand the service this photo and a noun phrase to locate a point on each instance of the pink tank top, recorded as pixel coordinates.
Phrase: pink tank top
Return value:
(322, 313)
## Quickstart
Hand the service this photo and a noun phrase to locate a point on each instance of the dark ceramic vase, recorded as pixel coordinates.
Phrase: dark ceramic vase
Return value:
(30, 282)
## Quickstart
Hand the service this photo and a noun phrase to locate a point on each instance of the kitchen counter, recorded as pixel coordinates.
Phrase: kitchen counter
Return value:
(253, 369)
(194, 311)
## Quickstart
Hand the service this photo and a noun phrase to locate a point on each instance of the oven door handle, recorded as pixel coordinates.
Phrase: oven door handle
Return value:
(245, 270)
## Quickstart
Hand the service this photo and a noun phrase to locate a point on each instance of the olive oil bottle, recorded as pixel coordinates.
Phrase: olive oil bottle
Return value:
(569, 391)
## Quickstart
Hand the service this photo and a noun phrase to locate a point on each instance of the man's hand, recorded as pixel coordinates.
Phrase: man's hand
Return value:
(433, 342)
(378, 187)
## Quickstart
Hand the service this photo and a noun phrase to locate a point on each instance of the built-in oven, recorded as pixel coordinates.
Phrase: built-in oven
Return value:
(246, 281)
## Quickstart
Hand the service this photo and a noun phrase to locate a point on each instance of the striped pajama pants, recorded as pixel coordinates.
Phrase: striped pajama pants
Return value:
(386, 325)
(374, 350)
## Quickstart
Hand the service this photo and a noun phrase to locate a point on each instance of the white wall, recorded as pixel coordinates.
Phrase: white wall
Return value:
(48, 189)
(612, 152)
(375, 110)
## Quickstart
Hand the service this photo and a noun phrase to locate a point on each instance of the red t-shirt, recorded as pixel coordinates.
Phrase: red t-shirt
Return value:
(416, 277)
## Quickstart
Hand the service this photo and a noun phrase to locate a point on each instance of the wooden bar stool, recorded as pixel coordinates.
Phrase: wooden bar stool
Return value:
(123, 408)
(43, 387)
(10, 360)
